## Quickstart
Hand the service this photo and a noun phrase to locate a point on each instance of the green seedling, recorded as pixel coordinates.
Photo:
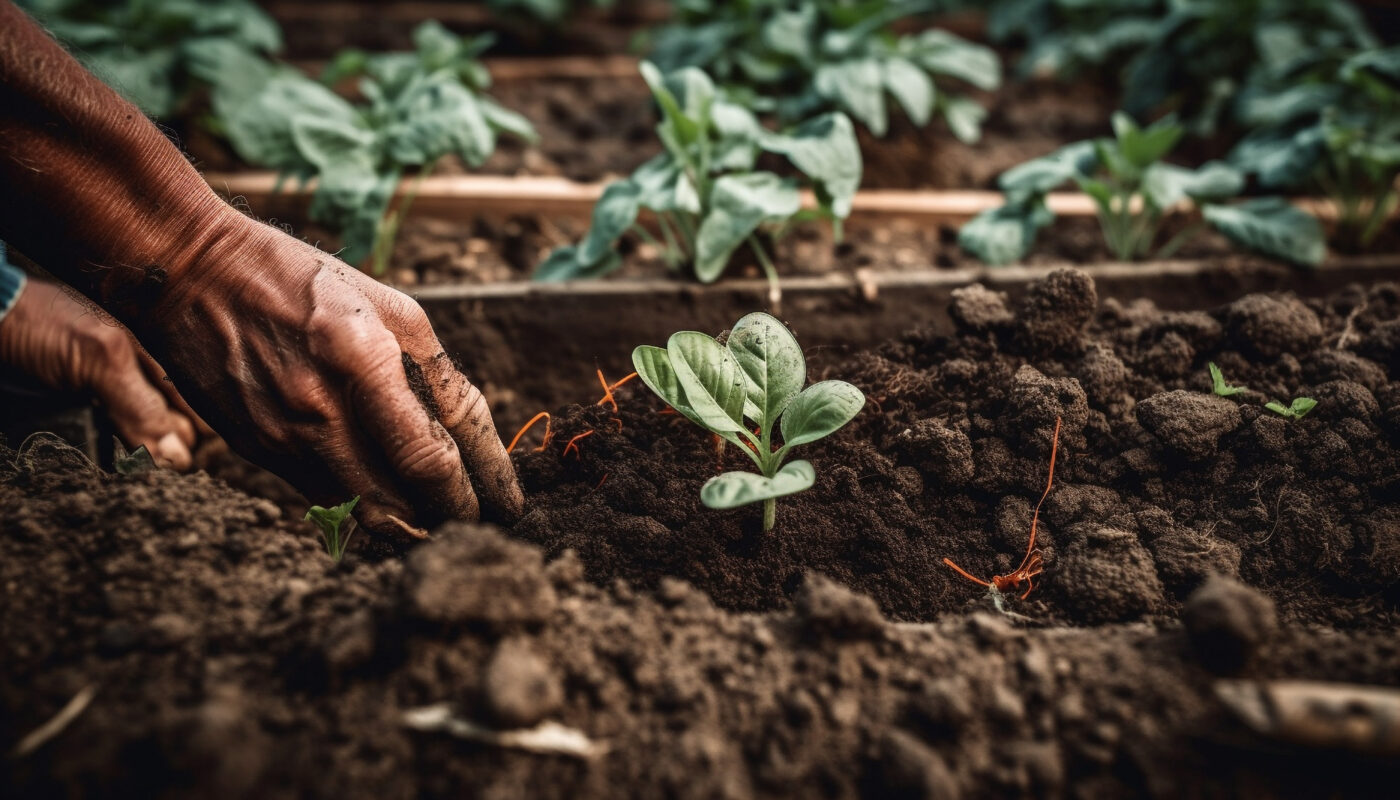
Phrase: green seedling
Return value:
(1134, 190)
(747, 391)
(704, 190)
(1218, 384)
(137, 462)
(416, 108)
(1297, 410)
(329, 520)
(796, 58)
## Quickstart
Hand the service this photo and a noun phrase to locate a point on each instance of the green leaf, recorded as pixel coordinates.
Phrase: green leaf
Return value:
(260, 129)
(331, 146)
(964, 118)
(328, 521)
(503, 119)
(1297, 410)
(1165, 185)
(1272, 226)
(739, 204)
(713, 383)
(564, 264)
(942, 53)
(735, 489)
(790, 33)
(1218, 384)
(1143, 146)
(1003, 235)
(820, 410)
(857, 86)
(825, 149)
(653, 366)
(912, 87)
(1038, 176)
(772, 362)
(614, 213)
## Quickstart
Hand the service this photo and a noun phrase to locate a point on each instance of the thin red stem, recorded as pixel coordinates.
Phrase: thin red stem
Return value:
(548, 432)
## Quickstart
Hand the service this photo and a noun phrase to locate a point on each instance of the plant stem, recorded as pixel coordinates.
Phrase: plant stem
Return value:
(389, 226)
(770, 514)
(775, 290)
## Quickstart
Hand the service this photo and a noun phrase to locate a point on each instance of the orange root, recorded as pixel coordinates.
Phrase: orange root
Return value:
(573, 443)
(548, 432)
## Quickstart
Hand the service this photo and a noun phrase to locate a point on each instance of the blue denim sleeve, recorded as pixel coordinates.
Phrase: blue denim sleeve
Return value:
(11, 283)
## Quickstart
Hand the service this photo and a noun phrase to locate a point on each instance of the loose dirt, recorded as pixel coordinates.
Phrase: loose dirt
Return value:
(1188, 539)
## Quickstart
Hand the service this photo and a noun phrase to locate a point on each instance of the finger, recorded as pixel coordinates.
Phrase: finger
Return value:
(415, 447)
(463, 411)
(143, 417)
(161, 379)
(460, 408)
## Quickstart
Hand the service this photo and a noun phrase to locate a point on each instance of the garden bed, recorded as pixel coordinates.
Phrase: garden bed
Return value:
(702, 657)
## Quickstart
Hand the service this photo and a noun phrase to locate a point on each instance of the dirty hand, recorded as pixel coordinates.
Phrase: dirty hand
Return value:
(73, 346)
(329, 378)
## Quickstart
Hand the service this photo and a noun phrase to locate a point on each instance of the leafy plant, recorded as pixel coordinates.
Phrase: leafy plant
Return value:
(1134, 190)
(1330, 122)
(145, 48)
(1191, 55)
(417, 107)
(800, 57)
(754, 379)
(1218, 384)
(328, 521)
(707, 197)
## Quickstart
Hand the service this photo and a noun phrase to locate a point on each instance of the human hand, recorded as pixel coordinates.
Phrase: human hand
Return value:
(74, 346)
(330, 379)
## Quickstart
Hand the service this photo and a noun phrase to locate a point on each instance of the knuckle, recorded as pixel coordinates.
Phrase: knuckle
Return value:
(428, 461)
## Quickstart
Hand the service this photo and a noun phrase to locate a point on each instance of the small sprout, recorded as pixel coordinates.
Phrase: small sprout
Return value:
(1218, 384)
(329, 521)
(757, 375)
(137, 462)
(1299, 409)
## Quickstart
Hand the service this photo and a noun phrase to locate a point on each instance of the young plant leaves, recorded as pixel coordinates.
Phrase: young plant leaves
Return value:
(328, 521)
(713, 383)
(1297, 410)
(734, 489)
(772, 362)
(1218, 384)
(819, 411)
(1272, 226)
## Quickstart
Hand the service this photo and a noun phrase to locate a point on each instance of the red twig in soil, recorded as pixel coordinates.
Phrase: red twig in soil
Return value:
(573, 443)
(608, 389)
(548, 432)
(1032, 565)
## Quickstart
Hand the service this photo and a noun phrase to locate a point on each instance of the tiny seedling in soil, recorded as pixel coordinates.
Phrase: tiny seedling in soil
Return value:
(1218, 384)
(1298, 409)
(329, 521)
(137, 462)
(1032, 565)
(757, 375)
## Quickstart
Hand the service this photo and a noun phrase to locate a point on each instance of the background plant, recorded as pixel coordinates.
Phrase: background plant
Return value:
(414, 108)
(146, 49)
(707, 198)
(551, 12)
(328, 522)
(1194, 56)
(1331, 122)
(1134, 190)
(747, 391)
(800, 57)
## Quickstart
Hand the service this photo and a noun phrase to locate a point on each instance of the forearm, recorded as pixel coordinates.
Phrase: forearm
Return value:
(91, 188)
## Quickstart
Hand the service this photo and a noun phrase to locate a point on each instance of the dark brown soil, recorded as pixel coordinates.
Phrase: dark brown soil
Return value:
(1188, 537)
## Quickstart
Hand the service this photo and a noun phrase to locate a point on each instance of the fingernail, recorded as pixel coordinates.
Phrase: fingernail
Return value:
(171, 452)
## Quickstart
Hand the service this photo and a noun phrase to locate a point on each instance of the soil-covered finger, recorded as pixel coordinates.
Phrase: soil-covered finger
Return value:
(419, 452)
(463, 411)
